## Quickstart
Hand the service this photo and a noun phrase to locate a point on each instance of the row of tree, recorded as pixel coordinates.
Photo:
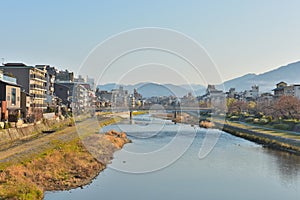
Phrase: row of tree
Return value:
(285, 107)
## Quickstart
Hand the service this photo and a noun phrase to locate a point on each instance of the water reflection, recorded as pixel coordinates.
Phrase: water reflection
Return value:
(287, 165)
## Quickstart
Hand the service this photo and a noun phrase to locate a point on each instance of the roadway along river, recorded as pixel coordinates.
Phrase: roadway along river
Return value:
(235, 169)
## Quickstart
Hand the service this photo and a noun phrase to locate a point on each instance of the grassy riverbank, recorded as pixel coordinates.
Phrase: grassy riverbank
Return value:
(271, 138)
(65, 163)
(275, 139)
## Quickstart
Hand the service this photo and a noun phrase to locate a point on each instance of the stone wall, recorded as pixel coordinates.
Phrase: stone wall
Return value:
(12, 134)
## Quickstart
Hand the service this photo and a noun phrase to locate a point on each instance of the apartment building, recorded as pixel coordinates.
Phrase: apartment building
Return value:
(50, 80)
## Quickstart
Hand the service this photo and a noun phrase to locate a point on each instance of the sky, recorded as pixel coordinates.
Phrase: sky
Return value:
(240, 37)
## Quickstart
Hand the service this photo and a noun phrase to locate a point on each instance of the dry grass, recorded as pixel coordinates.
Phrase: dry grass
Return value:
(66, 165)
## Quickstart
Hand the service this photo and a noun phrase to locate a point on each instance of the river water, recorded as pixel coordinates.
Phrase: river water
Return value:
(157, 167)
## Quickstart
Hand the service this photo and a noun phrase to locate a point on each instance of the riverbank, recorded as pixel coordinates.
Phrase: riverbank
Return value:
(271, 139)
(275, 139)
(61, 163)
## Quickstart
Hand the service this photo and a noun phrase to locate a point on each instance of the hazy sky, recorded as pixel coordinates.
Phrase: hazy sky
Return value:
(240, 36)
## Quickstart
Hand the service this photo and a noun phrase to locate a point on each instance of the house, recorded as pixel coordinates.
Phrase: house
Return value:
(26, 102)
(63, 92)
(10, 100)
(265, 98)
(252, 94)
(297, 90)
(213, 97)
(283, 89)
(64, 76)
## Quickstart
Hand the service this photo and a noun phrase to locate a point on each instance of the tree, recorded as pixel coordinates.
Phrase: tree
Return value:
(287, 107)
(252, 107)
(236, 107)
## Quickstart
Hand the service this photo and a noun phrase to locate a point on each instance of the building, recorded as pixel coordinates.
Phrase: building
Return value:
(63, 92)
(91, 82)
(32, 79)
(73, 95)
(64, 76)
(297, 90)
(213, 97)
(265, 98)
(231, 93)
(283, 89)
(137, 95)
(25, 105)
(10, 100)
(252, 94)
(188, 100)
(50, 78)
(120, 97)
(80, 79)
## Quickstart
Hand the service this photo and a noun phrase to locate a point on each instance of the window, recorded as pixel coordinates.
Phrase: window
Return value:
(13, 96)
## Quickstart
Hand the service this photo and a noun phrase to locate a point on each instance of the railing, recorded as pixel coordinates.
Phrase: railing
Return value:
(34, 86)
(39, 96)
(36, 105)
(38, 77)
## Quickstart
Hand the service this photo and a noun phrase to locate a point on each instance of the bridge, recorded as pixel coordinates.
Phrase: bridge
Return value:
(157, 107)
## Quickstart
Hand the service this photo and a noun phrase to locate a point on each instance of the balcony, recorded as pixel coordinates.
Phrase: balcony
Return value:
(36, 105)
(38, 77)
(36, 86)
(41, 96)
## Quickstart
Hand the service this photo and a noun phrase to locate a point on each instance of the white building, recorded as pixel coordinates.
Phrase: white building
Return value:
(297, 90)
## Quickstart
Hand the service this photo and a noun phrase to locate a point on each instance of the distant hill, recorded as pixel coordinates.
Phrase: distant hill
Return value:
(155, 89)
(266, 81)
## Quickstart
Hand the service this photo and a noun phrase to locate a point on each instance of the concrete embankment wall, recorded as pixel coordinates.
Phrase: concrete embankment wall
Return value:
(12, 134)
(271, 141)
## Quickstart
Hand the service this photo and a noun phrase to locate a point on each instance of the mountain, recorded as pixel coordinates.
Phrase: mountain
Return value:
(155, 89)
(268, 80)
(108, 86)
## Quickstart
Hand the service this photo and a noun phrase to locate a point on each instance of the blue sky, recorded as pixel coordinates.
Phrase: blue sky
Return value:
(240, 36)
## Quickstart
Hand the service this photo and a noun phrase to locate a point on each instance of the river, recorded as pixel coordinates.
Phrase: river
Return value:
(234, 169)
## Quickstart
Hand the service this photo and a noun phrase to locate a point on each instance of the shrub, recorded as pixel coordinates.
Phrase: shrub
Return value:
(71, 122)
(297, 127)
(13, 118)
(269, 118)
(7, 125)
(263, 121)
(249, 119)
(281, 126)
(234, 118)
(256, 120)
(290, 121)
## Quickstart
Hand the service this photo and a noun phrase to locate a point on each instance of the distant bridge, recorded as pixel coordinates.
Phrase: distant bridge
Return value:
(156, 108)
(170, 109)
